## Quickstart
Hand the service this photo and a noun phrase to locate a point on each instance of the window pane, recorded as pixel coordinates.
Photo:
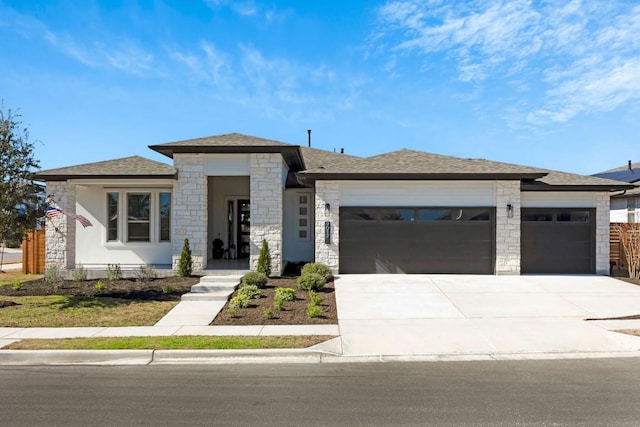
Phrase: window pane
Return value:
(397, 214)
(303, 222)
(475, 214)
(434, 214)
(303, 211)
(138, 232)
(302, 234)
(112, 217)
(138, 208)
(303, 200)
(359, 214)
(165, 217)
(573, 216)
(537, 216)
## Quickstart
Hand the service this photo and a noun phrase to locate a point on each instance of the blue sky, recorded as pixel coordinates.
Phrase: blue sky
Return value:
(553, 84)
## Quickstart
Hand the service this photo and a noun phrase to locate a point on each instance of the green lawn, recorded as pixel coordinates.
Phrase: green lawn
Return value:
(72, 311)
(171, 343)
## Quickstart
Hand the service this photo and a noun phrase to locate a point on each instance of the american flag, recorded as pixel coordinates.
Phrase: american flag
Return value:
(52, 212)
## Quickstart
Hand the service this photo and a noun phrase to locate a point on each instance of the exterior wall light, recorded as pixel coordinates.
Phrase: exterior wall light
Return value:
(327, 209)
(510, 210)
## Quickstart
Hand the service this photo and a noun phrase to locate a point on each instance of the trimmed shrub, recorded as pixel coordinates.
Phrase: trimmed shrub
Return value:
(287, 294)
(264, 259)
(252, 291)
(185, 265)
(311, 281)
(318, 268)
(255, 278)
(240, 301)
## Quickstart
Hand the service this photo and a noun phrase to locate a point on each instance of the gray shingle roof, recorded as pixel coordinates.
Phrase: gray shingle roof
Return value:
(127, 167)
(410, 162)
(560, 179)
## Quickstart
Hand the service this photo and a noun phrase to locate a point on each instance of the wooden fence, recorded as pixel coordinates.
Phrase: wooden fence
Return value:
(33, 253)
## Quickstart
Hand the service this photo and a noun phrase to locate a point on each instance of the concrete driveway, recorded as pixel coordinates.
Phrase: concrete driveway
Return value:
(498, 316)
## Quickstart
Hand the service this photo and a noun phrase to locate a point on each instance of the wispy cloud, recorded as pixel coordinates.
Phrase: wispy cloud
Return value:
(247, 8)
(119, 53)
(580, 55)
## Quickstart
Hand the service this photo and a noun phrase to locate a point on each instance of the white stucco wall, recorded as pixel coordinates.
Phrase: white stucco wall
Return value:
(93, 249)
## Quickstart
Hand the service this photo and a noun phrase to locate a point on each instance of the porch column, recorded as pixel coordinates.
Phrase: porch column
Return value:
(602, 233)
(507, 227)
(327, 193)
(189, 219)
(268, 175)
(60, 231)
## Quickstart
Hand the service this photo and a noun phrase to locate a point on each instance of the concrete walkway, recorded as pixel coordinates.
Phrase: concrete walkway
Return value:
(498, 316)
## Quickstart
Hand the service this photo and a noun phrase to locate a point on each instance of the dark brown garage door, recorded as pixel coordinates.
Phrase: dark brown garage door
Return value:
(558, 241)
(417, 240)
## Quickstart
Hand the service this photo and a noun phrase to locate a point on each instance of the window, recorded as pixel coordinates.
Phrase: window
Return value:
(303, 216)
(573, 216)
(138, 218)
(631, 210)
(112, 217)
(165, 217)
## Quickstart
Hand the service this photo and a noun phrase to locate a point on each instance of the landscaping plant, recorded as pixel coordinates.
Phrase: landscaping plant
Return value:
(146, 273)
(311, 281)
(318, 268)
(252, 291)
(630, 240)
(287, 294)
(114, 272)
(264, 259)
(80, 273)
(255, 278)
(185, 265)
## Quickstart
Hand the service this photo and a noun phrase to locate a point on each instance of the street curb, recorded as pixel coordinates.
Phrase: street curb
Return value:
(191, 357)
(76, 357)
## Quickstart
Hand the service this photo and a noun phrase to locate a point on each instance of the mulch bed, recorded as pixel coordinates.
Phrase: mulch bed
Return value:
(294, 312)
(164, 289)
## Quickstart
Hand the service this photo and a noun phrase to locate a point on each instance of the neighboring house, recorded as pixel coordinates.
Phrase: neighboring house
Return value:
(625, 205)
(401, 212)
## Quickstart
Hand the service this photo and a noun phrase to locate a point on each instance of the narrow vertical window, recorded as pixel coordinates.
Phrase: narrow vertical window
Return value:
(138, 210)
(112, 217)
(303, 216)
(165, 217)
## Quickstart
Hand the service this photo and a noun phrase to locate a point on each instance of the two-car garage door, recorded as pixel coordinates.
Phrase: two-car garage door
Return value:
(417, 240)
(461, 240)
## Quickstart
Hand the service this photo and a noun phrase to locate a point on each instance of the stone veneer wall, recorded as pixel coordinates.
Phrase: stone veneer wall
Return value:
(327, 192)
(60, 232)
(189, 219)
(507, 229)
(602, 233)
(267, 186)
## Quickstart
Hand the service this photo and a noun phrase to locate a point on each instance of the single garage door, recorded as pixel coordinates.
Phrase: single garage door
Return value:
(417, 240)
(558, 241)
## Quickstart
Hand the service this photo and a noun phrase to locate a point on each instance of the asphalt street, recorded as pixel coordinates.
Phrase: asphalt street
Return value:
(559, 392)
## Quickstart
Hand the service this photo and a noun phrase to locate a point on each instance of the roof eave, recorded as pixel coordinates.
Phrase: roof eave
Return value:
(291, 153)
(352, 176)
(46, 178)
(539, 186)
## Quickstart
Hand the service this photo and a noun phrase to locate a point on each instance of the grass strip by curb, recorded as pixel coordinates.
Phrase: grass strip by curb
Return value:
(186, 342)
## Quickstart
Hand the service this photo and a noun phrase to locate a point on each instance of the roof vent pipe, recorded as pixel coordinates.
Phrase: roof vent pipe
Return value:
(342, 151)
(630, 168)
(309, 136)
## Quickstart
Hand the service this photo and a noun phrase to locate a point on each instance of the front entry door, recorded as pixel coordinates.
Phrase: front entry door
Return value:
(244, 222)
